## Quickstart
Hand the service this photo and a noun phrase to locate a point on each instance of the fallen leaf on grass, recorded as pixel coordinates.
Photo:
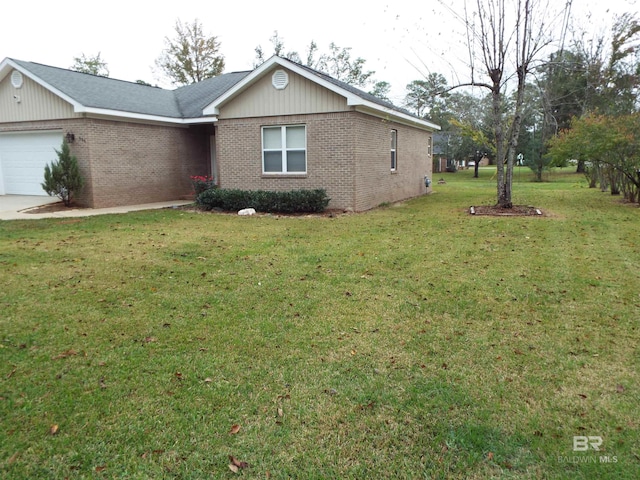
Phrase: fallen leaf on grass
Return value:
(101, 468)
(13, 458)
(236, 464)
(54, 429)
(208, 380)
(280, 412)
(490, 456)
(149, 339)
(234, 429)
(619, 388)
(65, 354)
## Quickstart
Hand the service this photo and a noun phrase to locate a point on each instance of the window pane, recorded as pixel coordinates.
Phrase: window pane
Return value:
(295, 137)
(296, 161)
(393, 160)
(272, 137)
(393, 139)
(273, 161)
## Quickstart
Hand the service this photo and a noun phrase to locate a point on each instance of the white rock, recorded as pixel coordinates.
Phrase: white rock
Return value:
(247, 211)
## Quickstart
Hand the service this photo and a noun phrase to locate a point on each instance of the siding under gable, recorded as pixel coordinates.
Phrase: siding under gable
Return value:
(36, 103)
(301, 96)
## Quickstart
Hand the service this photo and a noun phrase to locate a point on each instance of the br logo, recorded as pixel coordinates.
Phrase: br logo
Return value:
(582, 444)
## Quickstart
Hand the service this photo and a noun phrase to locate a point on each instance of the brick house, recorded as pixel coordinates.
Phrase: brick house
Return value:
(282, 126)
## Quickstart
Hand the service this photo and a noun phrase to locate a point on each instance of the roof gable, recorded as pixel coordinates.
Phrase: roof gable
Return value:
(92, 93)
(354, 97)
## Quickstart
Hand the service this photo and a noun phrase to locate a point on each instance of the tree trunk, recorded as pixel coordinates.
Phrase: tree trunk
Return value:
(504, 191)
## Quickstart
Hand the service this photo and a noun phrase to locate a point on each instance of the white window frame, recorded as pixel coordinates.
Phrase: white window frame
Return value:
(284, 150)
(394, 150)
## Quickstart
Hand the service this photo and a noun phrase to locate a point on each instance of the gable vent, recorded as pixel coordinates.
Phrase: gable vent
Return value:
(280, 79)
(16, 79)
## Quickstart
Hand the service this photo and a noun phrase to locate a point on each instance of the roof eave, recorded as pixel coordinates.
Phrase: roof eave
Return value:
(389, 114)
(144, 117)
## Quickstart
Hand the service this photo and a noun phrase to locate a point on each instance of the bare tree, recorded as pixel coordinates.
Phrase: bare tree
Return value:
(507, 37)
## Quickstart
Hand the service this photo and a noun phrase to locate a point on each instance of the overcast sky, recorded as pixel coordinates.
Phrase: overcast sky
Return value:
(396, 38)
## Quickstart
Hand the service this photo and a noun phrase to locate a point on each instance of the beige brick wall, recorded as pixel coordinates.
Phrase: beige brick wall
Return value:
(136, 163)
(348, 154)
(376, 183)
(125, 163)
(330, 154)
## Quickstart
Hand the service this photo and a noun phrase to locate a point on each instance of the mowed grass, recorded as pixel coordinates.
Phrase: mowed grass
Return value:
(411, 341)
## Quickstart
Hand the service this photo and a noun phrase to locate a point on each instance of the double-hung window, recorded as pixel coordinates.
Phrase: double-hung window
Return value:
(284, 149)
(394, 153)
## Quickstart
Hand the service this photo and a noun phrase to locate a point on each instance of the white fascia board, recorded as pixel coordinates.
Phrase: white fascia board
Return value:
(144, 117)
(213, 108)
(388, 114)
(39, 81)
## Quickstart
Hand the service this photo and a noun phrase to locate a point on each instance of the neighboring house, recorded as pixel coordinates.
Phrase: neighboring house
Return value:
(282, 126)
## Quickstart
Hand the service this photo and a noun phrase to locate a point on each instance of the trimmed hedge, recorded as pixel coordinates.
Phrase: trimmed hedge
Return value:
(294, 201)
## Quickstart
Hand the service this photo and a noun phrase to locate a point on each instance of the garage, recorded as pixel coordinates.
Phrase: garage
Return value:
(23, 157)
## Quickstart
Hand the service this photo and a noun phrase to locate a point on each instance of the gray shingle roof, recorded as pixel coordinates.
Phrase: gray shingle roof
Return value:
(110, 94)
(185, 102)
(107, 93)
(194, 98)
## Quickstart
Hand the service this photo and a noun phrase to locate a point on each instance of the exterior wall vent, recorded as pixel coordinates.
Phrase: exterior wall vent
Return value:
(16, 79)
(280, 79)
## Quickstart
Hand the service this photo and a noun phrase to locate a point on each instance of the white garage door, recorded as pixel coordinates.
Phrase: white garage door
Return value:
(23, 157)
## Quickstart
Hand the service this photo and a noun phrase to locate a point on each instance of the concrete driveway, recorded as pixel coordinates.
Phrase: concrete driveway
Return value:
(13, 207)
(17, 203)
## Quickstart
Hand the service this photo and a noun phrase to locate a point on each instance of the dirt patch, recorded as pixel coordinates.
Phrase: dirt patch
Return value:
(50, 208)
(515, 211)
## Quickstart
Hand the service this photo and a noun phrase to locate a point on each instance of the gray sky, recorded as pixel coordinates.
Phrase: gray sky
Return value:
(395, 37)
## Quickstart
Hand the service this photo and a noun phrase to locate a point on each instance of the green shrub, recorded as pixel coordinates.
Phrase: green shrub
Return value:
(62, 178)
(294, 201)
(201, 183)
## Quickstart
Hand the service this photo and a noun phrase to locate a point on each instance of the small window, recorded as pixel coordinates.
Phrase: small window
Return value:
(284, 149)
(394, 153)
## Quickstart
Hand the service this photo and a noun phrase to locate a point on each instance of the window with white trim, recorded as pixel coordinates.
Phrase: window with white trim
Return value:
(284, 149)
(394, 153)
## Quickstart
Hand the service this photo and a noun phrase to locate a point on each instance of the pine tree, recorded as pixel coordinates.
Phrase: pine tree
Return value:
(63, 178)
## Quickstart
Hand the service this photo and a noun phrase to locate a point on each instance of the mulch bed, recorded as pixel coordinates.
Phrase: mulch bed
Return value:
(49, 208)
(515, 211)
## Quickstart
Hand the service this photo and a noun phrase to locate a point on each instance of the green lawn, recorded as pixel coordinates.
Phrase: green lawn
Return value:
(411, 341)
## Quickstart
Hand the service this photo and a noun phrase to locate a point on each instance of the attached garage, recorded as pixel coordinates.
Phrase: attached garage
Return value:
(23, 157)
